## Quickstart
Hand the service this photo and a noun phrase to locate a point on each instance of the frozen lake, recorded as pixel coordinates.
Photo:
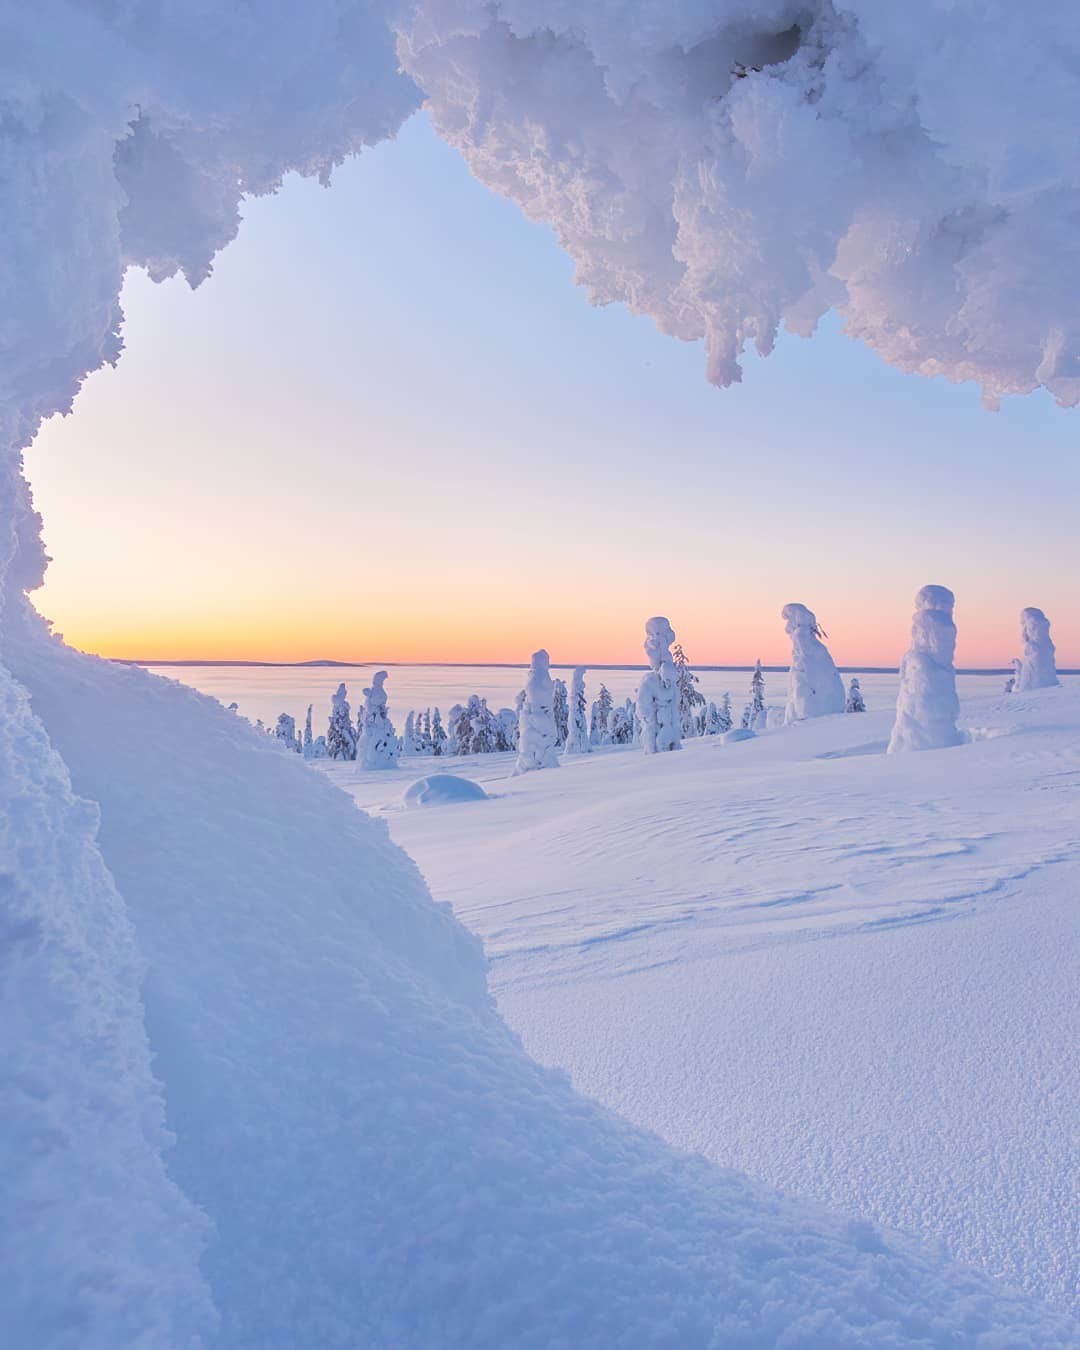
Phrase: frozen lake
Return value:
(265, 691)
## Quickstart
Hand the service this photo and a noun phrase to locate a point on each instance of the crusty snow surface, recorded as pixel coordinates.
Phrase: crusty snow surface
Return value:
(850, 975)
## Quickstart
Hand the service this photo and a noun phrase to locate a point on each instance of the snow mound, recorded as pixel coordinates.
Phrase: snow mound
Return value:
(737, 734)
(442, 789)
(381, 1162)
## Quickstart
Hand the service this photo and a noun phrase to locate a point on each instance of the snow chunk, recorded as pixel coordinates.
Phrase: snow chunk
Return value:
(927, 706)
(442, 789)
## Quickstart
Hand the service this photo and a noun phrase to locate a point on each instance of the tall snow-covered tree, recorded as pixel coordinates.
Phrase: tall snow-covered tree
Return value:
(1038, 668)
(483, 733)
(536, 727)
(438, 734)
(855, 702)
(927, 706)
(340, 736)
(425, 733)
(577, 739)
(758, 711)
(377, 746)
(690, 697)
(601, 714)
(562, 712)
(309, 740)
(410, 723)
(658, 694)
(815, 688)
(457, 731)
(726, 721)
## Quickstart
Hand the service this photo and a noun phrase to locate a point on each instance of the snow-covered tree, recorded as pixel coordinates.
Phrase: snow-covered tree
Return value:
(340, 736)
(309, 740)
(1010, 683)
(410, 734)
(457, 731)
(577, 739)
(658, 694)
(726, 722)
(562, 713)
(690, 698)
(621, 726)
(425, 733)
(285, 731)
(377, 746)
(748, 717)
(927, 706)
(758, 711)
(482, 732)
(1038, 668)
(536, 725)
(712, 720)
(854, 702)
(506, 720)
(600, 717)
(438, 734)
(815, 688)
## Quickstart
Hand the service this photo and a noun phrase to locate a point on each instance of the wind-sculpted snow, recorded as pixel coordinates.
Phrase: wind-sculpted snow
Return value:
(382, 1163)
(729, 165)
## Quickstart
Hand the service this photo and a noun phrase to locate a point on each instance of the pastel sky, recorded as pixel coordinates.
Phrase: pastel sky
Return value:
(390, 428)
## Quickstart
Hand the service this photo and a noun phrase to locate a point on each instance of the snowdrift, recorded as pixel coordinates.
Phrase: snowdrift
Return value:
(379, 1160)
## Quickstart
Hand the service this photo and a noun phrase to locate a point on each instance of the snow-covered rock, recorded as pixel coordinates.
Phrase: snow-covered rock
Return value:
(658, 693)
(1037, 668)
(537, 737)
(927, 705)
(814, 685)
(442, 789)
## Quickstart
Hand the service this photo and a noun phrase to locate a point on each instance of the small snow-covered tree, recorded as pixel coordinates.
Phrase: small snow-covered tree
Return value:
(536, 726)
(340, 736)
(318, 748)
(690, 698)
(815, 688)
(377, 746)
(285, 731)
(577, 738)
(601, 716)
(410, 733)
(482, 733)
(712, 720)
(562, 713)
(927, 706)
(658, 694)
(438, 734)
(425, 733)
(309, 741)
(621, 726)
(506, 722)
(748, 717)
(1038, 668)
(854, 701)
(726, 722)
(758, 711)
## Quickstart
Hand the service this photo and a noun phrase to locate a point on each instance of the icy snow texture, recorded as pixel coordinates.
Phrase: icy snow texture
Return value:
(728, 165)
(658, 693)
(1037, 669)
(927, 705)
(442, 789)
(376, 743)
(815, 688)
(537, 739)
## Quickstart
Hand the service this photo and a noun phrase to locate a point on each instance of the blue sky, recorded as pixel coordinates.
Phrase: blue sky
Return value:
(390, 426)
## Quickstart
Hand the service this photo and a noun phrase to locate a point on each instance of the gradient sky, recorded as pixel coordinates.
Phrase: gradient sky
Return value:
(390, 428)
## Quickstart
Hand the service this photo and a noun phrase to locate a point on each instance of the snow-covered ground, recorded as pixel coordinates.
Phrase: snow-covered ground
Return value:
(850, 975)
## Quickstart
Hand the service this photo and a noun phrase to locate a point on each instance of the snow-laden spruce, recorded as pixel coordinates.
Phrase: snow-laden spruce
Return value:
(815, 688)
(658, 693)
(855, 702)
(340, 736)
(536, 720)
(927, 706)
(285, 732)
(377, 746)
(1037, 668)
(562, 713)
(577, 738)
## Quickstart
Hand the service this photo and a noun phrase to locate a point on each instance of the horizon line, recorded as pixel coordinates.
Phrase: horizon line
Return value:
(524, 665)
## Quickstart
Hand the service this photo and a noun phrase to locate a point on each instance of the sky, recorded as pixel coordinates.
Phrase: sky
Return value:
(390, 428)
